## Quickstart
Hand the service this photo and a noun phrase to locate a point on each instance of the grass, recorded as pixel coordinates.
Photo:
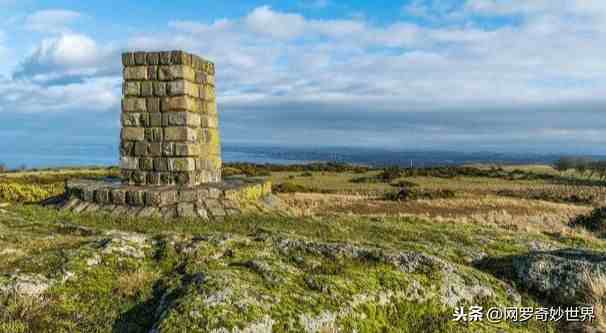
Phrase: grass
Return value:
(131, 275)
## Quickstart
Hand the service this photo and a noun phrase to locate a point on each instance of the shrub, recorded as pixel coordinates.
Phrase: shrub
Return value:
(27, 193)
(404, 183)
(594, 221)
(365, 180)
(306, 174)
(390, 174)
(229, 171)
(408, 194)
(288, 187)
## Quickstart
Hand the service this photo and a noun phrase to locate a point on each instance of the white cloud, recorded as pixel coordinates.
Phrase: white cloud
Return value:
(52, 20)
(96, 94)
(264, 20)
(277, 58)
(68, 56)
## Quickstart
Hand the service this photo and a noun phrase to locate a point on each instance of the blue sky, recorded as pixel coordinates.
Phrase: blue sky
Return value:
(469, 75)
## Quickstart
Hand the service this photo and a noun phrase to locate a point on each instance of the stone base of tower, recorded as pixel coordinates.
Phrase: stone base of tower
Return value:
(209, 201)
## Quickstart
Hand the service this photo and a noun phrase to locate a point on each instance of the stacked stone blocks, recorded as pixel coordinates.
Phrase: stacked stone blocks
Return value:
(170, 132)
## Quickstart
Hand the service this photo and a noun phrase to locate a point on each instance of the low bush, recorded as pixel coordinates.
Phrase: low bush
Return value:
(28, 193)
(594, 221)
(288, 187)
(406, 194)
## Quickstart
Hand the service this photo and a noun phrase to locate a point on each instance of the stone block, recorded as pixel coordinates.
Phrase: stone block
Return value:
(141, 148)
(135, 73)
(185, 178)
(134, 104)
(118, 196)
(140, 58)
(187, 149)
(139, 177)
(128, 59)
(186, 210)
(181, 119)
(155, 119)
(167, 178)
(187, 195)
(153, 134)
(131, 119)
(145, 119)
(152, 73)
(206, 107)
(168, 149)
(147, 164)
(165, 58)
(176, 72)
(102, 196)
(147, 89)
(155, 149)
(129, 163)
(153, 104)
(160, 89)
(182, 87)
(153, 198)
(182, 164)
(207, 92)
(135, 198)
(203, 78)
(131, 88)
(168, 197)
(161, 164)
(180, 103)
(153, 58)
(153, 178)
(127, 148)
(181, 58)
(180, 134)
(208, 121)
(214, 193)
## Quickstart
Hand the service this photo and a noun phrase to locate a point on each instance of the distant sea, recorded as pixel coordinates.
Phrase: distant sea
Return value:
(41, 156)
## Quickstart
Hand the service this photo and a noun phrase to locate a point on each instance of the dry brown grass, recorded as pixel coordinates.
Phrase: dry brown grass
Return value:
(508, 213)
(595, 295)
(130, 283)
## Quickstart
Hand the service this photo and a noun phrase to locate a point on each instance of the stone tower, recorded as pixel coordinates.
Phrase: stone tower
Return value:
(170, 126)
(170, 150)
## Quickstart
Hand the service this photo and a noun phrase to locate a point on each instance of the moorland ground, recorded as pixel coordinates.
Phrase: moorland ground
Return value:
(350, 249)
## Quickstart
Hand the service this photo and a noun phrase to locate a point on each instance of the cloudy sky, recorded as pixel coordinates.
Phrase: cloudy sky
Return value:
(467, 75)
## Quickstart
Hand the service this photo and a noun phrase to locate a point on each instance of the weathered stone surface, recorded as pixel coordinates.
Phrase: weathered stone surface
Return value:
(181, 119)
(134, 104)
(135, 73)
(131, 119)
(130, 163)
(153, 104)
(180, 103)
(132, 88)
(187, 149)
(180, 134)
(147, 89)
(164, 95)
(561, 275)
(186, 210)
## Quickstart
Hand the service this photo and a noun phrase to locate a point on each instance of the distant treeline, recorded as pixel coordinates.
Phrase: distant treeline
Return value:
(256, 170)
(583, 165)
